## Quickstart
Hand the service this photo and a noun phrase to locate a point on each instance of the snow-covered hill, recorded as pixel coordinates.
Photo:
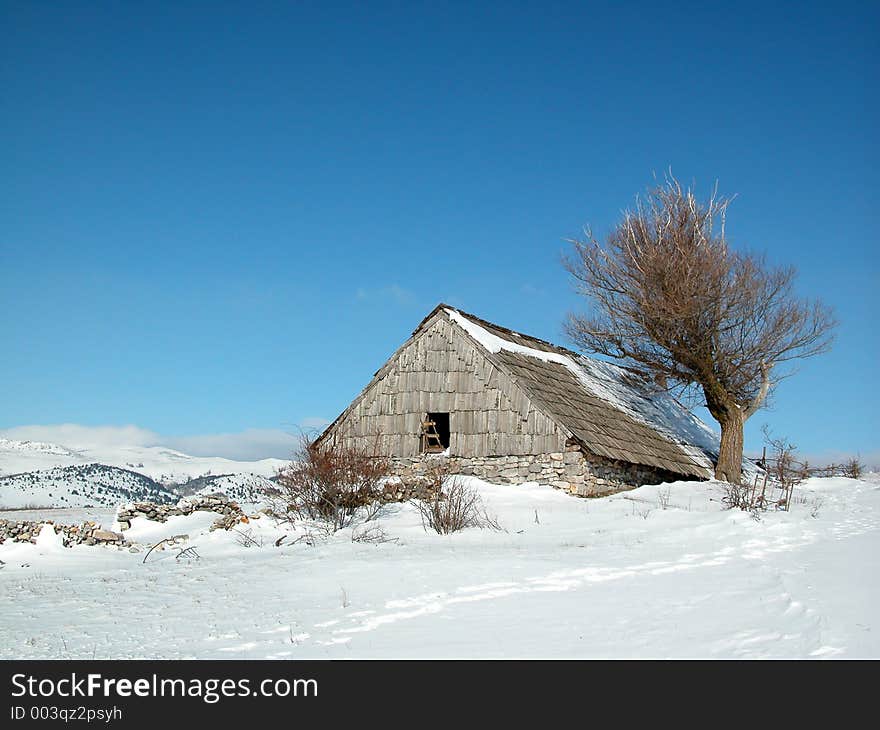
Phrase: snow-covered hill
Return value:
(243, 488)
(41, 474)
(31, 449)
(157, 462)
(80, 486)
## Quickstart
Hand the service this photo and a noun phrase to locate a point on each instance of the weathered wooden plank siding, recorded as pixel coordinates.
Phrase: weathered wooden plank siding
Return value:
(442, 370)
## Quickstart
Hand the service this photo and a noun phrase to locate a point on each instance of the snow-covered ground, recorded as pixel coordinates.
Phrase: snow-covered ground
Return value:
(655, 572)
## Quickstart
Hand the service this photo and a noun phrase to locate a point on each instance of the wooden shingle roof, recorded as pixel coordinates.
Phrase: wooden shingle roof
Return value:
(612, 412)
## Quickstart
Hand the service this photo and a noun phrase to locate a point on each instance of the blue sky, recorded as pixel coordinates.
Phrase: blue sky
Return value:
(220, 217)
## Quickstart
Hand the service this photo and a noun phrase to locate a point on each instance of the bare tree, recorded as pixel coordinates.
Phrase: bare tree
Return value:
(670, 295)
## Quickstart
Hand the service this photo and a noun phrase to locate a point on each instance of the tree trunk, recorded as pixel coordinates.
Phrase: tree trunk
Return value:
(729, 466)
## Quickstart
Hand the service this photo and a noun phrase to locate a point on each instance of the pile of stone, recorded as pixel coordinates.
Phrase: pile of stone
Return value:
(88, 533)
(228, 521)
(228, 510)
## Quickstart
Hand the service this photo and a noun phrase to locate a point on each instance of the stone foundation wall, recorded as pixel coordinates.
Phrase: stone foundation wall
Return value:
(570, 470)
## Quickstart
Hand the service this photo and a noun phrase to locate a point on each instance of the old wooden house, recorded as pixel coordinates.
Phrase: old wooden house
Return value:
(512, 408)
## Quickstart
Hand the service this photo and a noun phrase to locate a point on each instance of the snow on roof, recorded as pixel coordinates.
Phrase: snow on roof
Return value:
(494, 343)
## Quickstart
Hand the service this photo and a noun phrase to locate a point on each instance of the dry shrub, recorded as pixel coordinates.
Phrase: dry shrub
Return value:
(246, 538)
(452, 505)
(740, 496)
(782, 464)
(755, 499)
(328, 483)
(805, 472)
(664, 497)
(853, 468)
(372, 534)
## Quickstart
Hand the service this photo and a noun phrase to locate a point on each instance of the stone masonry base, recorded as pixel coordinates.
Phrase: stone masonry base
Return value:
(570, 470)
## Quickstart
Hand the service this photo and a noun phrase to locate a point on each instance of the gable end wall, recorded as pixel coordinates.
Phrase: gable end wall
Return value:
(443, 370)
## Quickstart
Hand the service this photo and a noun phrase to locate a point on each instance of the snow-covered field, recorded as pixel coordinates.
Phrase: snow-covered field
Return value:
(655, 572)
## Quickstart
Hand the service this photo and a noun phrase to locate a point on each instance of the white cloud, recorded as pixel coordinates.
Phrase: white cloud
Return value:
(76, 436)
(870, 459)
(254, 443)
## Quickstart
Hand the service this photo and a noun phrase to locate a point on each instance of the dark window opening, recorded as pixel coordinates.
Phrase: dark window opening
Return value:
(435, 433)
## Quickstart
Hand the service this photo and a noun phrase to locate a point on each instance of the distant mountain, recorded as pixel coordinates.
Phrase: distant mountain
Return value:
(161, 464)
(51, 475)
(239, 487)
(80, 485)
(34, 447)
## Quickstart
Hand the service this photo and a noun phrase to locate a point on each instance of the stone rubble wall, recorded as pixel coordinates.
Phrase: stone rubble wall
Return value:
(570, 470)
(229, 511)
(91, 533)
(88, 533)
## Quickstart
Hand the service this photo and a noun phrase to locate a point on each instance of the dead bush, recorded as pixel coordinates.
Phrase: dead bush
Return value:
(781, 472)
(740, 496)
(451, 505)
(328, 483)
(246, 538)
(373, 535)
(853, 468)
(782, 465)
(664, 496)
